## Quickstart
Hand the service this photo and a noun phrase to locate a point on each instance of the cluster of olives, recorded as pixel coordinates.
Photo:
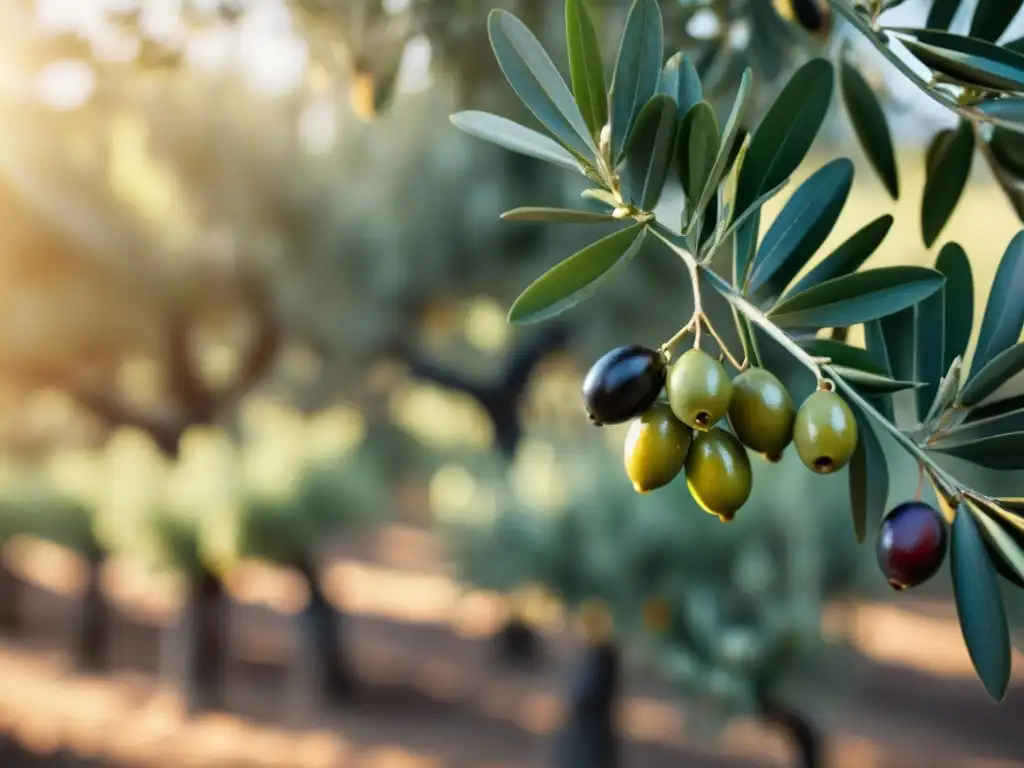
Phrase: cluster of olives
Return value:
(911, 545)
(679, 433)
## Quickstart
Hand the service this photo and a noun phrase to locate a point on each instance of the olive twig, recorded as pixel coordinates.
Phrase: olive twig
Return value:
(920, 481)
(678, 336)
(721, 345)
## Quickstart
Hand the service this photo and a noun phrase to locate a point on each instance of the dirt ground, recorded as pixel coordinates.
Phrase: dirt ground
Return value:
(432, 695)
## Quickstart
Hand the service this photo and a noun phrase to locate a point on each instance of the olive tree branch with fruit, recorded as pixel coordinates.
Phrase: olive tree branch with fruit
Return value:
(688, 418)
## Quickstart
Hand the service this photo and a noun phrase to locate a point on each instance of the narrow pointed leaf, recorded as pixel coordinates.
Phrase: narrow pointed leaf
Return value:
(585, 65)
(515, 137)
(966, 68)
(979, 604)
(857, 298)
(534, 78)
(966, 45)
(745, 241)
(959, 297)
(1004, 313)
(846, 355)
(649, 152)
(869, 477)
(941, 14)
(848, 256)
(945, 395)
(578, 277)
(799, 230)
(945, 180)
(637, 70)
(699, 144)
(726, 156)
(901, 346)
(785, 134)
(1002, 452)
(1003, 549)
(556, 214)
(929, 345)
(679, 79)
(872, 383)
(993, 375)
(870, 125)
(982, 429)
(992, 17)
(874, 341)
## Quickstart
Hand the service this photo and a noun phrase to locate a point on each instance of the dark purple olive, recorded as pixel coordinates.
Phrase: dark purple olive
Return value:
(623, 384)
(911, 544)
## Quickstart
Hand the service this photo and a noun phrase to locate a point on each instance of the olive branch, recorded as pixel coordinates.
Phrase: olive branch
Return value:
(910, 380)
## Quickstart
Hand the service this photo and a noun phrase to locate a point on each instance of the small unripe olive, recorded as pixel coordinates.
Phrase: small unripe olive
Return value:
(623, 384)
(761, 412)
(825, 432)
(911, 544)
(812, 15)
(656, 448)
(718, 473)
(698, 389)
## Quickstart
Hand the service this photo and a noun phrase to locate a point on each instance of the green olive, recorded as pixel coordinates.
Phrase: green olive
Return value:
(656, 448)
(825, 432)
(698, 389)
(718, 473)
(761, 412)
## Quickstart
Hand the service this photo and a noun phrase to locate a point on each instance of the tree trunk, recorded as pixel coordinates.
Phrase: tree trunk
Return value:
(324, 624)
(96, 617)
(207, 667)
(588, 737)
(806, 739)
(517, 643)
(10, 601)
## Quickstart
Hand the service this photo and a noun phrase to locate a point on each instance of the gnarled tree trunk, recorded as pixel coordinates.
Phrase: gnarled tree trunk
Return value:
(325, 631)
(588, 737)
(208, 652)
(96, 616)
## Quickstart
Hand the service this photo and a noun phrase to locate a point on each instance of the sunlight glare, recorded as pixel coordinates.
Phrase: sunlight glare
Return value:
(65, 85)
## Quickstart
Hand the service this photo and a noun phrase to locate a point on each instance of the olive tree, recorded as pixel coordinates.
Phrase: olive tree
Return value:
(911, 384)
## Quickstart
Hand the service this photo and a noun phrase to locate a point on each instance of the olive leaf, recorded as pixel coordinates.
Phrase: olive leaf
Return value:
(979, 429)
(535, 79)
(941, 14)
(529, 213)
(997, 372)
(870, 125)
(869, 476)
(783, 137)
(680, 80)
(1003, 547)
(992, 17)
(848, 256)
(800, 229)
(745, 239)
(725, 157)
(873, 383)
(846, 355)
(586, 68)
(966, 60)
(947, 169)
(578, 277)
(649, 152)
(515, 137)
(1002, 452)
(979, 604)
(637, 71)
(1004, 313)
(857, 298)
(958, 294)
(699, 144)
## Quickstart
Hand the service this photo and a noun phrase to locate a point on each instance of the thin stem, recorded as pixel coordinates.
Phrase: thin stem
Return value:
(920, 481)
(724, 349)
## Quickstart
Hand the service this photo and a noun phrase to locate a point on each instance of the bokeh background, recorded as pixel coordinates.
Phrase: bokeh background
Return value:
(280, 487)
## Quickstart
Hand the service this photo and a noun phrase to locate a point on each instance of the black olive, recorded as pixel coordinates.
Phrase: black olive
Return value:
(623, 384)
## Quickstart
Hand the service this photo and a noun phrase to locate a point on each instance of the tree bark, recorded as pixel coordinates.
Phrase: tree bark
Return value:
(207, 665)
(325, 625)
(806, 739)
(96, 617)
(588, 737)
